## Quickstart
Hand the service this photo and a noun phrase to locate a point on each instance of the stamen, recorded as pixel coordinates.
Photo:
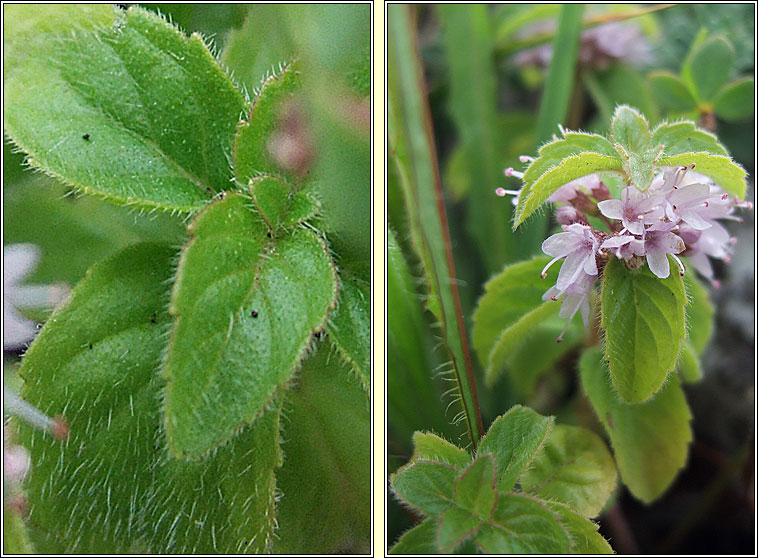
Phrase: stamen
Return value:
(543, 274)
(706, 203)
(510, 171)
(716, 283)
(502, 192)
(682, 267)
(724, 196)
(526, 159)
(554, 298)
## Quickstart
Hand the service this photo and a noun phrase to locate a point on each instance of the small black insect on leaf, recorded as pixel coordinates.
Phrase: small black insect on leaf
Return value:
(254, 314)
(90, 345)
(86, 137)
(154, 318)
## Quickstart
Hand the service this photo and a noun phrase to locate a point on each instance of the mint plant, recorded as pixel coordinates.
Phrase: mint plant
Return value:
(196, 376)
(531, 487)
(671, 189)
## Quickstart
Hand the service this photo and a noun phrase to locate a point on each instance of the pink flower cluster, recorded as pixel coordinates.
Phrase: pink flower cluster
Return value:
(678, 216)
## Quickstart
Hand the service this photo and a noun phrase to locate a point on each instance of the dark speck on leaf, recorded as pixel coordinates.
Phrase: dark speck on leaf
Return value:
(90, 345)
(268, 234)
(154, 318)
(254, 314)
(86, 137)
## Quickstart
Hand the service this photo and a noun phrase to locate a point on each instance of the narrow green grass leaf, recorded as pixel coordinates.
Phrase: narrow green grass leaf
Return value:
(467, 37)
(560, 78)
(514, 439)
(650, 440)
(412, 144)
(350, 327)
(245, 307)
(136, 113)
(722, 169)
(112, 480)
(574, 468)
(643, 318)
(251, 142)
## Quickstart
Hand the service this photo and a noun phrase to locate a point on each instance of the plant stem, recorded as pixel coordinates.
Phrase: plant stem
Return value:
(411, 141)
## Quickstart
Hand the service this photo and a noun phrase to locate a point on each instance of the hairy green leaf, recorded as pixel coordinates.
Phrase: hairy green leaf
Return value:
(650, 440)
(136, 113)
(734, 102)
(327, 467)
(475, 487)
(350, 327)
(514, 439)
(513, 337)
(722, 169)
(507, 297)
(643, 318)
(630, 129)
(455, 526)
(245, 308)
(574, 468)
(685, 137)
(15, 535)
(700, 313)
(251, 143)
(111, 486)
(425, 485)
(430, 447)
(522, 525)
(582, 533)
(422, 539)
(688, 364)
(670, 92)
(639, 166)
(570, 168)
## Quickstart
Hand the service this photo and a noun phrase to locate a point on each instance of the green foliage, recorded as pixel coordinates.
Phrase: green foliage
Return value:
(245, 307)
(252, 155)
(94, 362)
(650, 440)
(474, 500)
(136, 113)
(643, 318)
(703, 85)
(327, 466)
(159, 356)
(574, 468)
(15, 535)
(509, 316)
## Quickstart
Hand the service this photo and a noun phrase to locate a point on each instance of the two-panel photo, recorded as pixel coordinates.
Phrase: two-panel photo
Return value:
(378, 278)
